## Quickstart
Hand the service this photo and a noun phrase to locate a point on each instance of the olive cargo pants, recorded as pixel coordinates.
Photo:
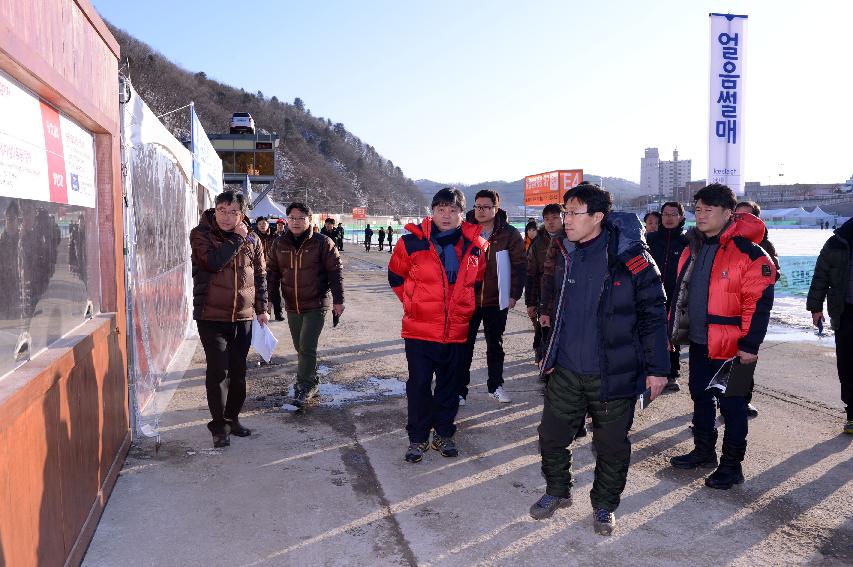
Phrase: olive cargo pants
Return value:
(568, 398)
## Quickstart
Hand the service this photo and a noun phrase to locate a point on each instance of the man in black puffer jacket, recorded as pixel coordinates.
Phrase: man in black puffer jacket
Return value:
(602, 296)
(666, 246)
(832, 281)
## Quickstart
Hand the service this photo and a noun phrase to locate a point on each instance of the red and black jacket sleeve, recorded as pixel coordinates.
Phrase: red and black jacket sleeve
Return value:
(758, 280)
(398, 267)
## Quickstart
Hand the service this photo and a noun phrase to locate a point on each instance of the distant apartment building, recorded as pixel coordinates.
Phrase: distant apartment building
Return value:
(650, 172)
(663, 177)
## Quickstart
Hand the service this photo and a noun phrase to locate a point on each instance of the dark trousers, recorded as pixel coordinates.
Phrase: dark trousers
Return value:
(225, 348)
(428, 408)
(733, 408)
(675, 363)
(275, 296)
(389, 242)
(844, 357)
(381, 244)
(305, 329)
(494, 324)
(367, 244)
(568, 398)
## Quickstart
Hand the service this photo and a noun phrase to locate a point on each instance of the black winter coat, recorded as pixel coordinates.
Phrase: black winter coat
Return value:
(666, 246)
(831, 275)
(631, 315)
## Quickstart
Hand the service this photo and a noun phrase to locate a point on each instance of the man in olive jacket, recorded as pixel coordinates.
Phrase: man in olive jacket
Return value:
(307, 266)
(229, 290)
(833, 281)
(501, 236)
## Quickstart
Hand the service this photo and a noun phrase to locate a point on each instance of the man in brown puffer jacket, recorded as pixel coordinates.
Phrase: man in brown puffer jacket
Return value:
(307, 266)
(501, 237)
(229, 290)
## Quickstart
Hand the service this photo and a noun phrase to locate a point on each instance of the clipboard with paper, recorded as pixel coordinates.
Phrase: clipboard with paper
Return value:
(504, 278)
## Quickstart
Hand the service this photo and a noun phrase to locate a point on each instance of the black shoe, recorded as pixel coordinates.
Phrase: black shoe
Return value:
(545, 507)
(415, 452)
(279, 317)
(221, 440)
(444, 445)
(302, 397)
(704, 453)
(604, 521)
(237, 428)
(751, 410)
(730, 471)
(672, 385)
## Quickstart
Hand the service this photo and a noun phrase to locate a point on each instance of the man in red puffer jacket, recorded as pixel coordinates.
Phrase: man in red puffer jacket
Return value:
(434, 270)
(722, 307)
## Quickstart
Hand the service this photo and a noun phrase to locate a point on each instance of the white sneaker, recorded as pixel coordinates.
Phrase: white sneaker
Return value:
(461, 401)
(501, 396)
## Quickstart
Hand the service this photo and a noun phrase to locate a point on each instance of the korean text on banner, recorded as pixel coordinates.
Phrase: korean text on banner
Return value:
(546, 188)
(44, 156)
(207, 165)
(725, 126)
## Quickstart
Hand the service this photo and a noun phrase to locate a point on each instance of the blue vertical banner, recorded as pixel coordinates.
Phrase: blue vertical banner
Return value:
(207, 165)
(725, 126)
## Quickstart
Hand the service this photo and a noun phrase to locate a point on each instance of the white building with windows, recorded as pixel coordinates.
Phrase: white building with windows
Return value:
(658, 177)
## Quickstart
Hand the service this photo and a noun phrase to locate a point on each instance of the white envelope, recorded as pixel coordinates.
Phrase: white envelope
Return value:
(263, 341)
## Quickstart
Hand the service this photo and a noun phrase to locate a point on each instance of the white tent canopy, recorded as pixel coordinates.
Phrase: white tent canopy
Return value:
(792, 213)
(819, 213)
(267, 208)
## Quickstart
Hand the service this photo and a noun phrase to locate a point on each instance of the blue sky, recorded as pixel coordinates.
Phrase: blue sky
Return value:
(471, 91)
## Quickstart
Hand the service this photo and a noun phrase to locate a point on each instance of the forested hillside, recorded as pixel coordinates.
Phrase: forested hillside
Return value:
(317, 156)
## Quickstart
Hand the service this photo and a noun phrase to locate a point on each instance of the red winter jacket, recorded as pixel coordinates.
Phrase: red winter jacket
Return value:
(434, 310)
(740, 292)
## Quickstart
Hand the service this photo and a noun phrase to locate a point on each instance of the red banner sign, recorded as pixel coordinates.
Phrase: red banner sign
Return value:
(546, 188)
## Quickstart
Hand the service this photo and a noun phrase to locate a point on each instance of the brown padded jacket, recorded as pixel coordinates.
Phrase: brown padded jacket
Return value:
(504, 237)
(306, 273)
(229, 273)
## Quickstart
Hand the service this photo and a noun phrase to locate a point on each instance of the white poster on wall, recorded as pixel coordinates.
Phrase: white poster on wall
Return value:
(44, 156)
(725, 127)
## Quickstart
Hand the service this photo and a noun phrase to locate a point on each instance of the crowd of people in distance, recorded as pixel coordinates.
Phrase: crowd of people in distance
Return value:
(612, 301)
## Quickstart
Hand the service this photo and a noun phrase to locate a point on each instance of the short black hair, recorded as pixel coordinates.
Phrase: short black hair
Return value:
(449, 196)
(529, 225)
(259, 219)
(717, 195)
(489, 194)
(653, 214)
(231, 197)
(675, 204)
(552, 209)
(329, 220)
(596, 199)
(299, 207)
(756, 208)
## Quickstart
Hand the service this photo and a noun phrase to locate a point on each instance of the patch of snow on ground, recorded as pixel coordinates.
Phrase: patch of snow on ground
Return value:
(372, 389)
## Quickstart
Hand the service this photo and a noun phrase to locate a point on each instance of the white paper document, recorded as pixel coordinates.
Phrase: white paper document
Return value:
(504, 273)
(263, 341)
